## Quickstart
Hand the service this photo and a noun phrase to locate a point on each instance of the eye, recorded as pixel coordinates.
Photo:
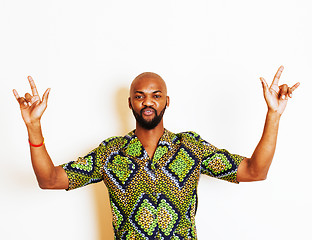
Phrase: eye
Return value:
(138, 97)
(157, 96)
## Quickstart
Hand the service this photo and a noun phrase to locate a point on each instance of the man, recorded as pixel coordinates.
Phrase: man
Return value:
(151, 173)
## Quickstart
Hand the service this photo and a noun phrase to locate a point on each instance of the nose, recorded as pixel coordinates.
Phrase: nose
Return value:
(148, 101)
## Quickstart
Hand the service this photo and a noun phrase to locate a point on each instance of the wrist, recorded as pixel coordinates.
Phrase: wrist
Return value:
(34, 133)
(274, 115)
(36, 145)
(33, 125)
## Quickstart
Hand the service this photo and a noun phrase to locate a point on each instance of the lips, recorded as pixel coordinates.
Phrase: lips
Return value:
(147, 111)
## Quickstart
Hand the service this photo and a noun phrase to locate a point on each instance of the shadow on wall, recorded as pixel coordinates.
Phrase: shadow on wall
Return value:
(101, 197)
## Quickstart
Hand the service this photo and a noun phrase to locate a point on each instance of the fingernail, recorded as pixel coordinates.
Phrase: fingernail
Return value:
(283, 97)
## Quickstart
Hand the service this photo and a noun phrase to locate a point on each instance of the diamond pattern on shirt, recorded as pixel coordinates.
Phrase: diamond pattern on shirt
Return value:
(168, 217)
(84, 165)
(180, 166)
(143, 217)
(121, 169)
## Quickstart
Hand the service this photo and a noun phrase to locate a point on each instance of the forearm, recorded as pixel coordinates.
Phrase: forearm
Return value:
(276, 97)
(41, 161)
(261, 159)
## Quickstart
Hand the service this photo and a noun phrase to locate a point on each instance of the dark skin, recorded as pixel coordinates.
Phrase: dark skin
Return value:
(149, 90)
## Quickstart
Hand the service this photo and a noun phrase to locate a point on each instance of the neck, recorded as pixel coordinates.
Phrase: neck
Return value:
(150, 135)
(150, 138)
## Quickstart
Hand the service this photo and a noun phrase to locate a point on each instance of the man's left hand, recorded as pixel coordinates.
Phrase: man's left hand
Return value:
(276, 96)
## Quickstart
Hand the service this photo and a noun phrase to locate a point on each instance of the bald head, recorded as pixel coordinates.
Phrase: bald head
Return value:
(148, 80)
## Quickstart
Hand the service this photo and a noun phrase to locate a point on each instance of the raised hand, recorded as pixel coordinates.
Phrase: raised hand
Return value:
(276, 96)
(32, 107)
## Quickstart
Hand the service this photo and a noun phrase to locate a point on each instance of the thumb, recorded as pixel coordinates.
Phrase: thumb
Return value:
(46, 95)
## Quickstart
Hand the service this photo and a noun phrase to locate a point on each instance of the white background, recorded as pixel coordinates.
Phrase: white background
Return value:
(211, 54)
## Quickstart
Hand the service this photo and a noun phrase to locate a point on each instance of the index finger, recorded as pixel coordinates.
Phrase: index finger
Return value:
(277, 75)
(293, 88)
(33, 86)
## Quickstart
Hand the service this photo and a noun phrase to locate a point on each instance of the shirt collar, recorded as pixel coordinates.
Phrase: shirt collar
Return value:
(134, 147)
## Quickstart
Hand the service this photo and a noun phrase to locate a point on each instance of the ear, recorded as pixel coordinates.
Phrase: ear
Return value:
(129, 103)
(168, 101)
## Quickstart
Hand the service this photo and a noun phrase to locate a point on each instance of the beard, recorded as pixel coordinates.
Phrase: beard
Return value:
(148, 124)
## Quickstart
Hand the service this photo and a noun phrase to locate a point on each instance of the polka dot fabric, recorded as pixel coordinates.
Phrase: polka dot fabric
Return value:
(153, 198)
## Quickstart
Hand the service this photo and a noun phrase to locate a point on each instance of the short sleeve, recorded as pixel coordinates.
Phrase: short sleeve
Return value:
(85, 170)
(219, 163)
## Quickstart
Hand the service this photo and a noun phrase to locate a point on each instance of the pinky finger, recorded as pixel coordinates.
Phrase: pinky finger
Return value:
(22, 101)
(16, 94)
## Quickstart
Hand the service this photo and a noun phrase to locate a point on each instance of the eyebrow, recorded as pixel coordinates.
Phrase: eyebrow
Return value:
(141, 92)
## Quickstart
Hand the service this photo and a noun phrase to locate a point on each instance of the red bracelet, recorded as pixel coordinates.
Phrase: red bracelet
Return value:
(33, 145)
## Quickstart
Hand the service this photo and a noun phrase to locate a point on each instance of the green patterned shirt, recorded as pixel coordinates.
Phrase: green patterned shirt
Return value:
(153, 198)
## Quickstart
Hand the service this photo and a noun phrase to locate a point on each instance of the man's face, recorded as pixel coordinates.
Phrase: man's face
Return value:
(148, 101)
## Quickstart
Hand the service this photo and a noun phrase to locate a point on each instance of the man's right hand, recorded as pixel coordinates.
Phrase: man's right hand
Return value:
(32, 107)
